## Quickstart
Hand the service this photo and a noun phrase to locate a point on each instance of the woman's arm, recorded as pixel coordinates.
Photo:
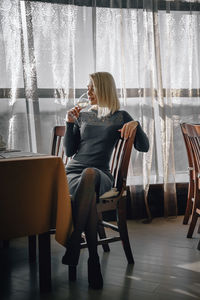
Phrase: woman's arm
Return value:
(72, 133)
(141, 142)
(71, 139)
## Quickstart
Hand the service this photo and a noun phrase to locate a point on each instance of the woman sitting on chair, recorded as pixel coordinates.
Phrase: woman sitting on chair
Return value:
(90, 138)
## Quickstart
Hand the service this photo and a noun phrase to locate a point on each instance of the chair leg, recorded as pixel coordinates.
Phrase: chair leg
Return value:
(196, 211)
(192, 225)
(189, 205)
(198, 247)
(72, 273)
(32, 248)
(44, 262)
(102, 234)
(123, 231)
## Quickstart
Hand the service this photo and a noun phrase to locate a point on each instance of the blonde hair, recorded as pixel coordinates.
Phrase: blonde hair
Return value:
(106, 93)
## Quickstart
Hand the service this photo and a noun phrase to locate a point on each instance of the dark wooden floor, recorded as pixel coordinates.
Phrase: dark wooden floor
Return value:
(167, 266)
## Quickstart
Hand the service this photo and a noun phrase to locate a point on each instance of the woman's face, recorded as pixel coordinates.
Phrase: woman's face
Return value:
(91, 94)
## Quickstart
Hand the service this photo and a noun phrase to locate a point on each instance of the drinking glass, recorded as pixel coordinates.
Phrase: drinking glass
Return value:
(83, 101)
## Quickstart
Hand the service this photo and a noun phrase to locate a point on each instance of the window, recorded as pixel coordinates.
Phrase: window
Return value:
(48, 50)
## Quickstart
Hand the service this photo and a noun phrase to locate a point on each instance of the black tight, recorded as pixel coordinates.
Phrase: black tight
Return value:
(85, 219)
(84, 208)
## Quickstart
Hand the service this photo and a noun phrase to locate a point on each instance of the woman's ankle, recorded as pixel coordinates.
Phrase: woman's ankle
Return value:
(71, 256)
(95, 278)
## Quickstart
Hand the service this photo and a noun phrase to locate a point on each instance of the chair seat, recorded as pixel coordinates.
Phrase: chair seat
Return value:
(110, 194)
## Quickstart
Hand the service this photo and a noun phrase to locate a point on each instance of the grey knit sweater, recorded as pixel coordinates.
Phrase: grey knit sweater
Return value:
(91, 140)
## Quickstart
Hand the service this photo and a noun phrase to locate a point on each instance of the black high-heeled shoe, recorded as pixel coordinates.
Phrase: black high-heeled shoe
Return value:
(72, 253)
(95, 278)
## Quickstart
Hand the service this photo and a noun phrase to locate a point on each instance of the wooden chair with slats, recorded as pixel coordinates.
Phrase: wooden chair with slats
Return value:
(112, 200)
(57, 146)
(193, 133)
(191, 169)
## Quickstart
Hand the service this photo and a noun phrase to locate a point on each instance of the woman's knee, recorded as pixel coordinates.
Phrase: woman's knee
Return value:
(88, 172)
(90, 176)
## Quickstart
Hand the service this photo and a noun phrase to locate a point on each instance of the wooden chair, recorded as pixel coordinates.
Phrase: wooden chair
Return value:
(191, 169)
(112, 200)
(57, 146)
(193, 133)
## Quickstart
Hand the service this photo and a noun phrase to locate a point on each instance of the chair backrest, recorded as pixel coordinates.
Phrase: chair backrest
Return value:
(187, 146)
(193, 133)
(120, 160)
(120, 157)
(57, 142)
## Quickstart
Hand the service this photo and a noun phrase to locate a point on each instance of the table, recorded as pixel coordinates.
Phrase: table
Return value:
(34, 198)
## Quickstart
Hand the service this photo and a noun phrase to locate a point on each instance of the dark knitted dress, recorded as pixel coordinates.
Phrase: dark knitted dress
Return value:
(91, 140)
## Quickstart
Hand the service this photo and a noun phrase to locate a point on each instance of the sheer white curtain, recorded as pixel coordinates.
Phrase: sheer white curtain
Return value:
(13, 118)
(179, 56)
(47, 51)
(119, 33)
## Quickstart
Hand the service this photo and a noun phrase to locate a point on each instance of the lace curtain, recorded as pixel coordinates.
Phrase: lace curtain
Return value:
(152, 49)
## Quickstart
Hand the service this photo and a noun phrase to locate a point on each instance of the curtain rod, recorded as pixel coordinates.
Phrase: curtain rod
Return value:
(135, 4)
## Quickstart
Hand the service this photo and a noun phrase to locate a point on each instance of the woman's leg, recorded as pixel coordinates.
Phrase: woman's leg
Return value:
(95, 278)
(86, 219)
(91, 230)
(85, 215)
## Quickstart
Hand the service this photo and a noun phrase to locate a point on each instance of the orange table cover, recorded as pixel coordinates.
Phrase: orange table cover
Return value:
(34, 198)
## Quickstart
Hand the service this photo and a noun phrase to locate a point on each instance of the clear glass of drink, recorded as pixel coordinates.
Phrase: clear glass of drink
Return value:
(83, 101)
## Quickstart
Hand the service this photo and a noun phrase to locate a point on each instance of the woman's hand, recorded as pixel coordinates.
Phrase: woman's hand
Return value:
(73, 114)
(127, 129)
